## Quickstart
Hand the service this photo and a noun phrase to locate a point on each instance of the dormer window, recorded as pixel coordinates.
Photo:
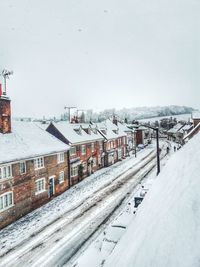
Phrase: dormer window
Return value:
(77, 129)
(103, 131)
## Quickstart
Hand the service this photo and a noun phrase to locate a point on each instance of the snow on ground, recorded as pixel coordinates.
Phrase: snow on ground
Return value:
(96, 253)
(166, 228)
(35, 221)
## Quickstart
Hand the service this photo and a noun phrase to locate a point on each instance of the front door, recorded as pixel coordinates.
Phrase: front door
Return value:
(51, 186)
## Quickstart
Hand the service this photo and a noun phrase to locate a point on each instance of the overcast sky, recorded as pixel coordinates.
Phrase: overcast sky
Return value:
(100, 53)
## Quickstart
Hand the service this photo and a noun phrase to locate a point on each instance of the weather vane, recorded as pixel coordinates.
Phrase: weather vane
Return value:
(6, 73)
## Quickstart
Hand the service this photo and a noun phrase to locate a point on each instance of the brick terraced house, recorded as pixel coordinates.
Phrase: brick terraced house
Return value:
(86, 148)
(33, 166)
(115, 144)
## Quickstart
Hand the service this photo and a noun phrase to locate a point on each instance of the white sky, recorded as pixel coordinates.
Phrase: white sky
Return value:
(100, 53)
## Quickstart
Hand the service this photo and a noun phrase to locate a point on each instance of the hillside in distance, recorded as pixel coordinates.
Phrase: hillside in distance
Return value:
(142, 112)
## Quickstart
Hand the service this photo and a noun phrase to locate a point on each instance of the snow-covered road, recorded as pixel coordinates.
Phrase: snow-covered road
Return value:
(55, 243)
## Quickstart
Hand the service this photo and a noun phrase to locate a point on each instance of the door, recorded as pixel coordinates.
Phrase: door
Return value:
(51, 186)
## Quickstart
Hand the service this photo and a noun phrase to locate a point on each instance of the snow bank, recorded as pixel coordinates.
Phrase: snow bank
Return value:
(166, 230)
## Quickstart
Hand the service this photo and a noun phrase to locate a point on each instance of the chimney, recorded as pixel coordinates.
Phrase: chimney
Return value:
(115, 120)
(5, 113)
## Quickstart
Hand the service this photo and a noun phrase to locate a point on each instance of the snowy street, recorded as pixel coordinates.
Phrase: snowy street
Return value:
(56, 240)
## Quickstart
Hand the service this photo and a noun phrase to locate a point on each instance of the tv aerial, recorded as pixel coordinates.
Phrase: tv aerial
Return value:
(6, 73)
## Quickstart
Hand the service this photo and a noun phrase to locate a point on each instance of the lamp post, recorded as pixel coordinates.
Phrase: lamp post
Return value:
(157, 146)
(135, 143)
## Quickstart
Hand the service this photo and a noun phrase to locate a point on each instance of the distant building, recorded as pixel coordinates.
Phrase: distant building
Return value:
(196, 127)
(196, 118)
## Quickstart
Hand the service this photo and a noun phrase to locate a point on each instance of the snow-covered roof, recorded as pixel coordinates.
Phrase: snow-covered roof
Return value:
(176, 128)
(110, 130)
(166, 229)
(28, 140)
(70, 132)
(196, 115)
(192, 131)
(186, 127)
(124, 128)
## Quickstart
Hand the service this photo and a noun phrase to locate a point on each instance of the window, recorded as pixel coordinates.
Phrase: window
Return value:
(74, 171)
(6, 201)
(39, 186)
(39, 163)
(22, 167)
(124, 140)
(61, 177)
(92, 147)
(61, 157)
(100, 145)
(83, 149)
(5, 172)
(72, 150)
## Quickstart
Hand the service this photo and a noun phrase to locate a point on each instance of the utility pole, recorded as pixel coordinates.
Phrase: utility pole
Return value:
(158, 151)
(135, 143)
(157, 146)
(69, 108)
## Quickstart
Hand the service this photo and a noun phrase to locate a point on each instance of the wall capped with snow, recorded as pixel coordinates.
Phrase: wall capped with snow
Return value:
(166, 230)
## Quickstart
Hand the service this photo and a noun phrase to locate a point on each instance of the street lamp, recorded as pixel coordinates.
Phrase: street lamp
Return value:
(135, 143)
(157, 146)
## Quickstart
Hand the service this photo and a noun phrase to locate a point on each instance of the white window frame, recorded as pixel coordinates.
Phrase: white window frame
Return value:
(37, 192)
(5, 171)
(73, 170)
(20, 168)
(61, 157)
(39, 160)
(3, 201)
(61, 177)
(100, 146)
(72, 151)
(83, 151)
(92, 147)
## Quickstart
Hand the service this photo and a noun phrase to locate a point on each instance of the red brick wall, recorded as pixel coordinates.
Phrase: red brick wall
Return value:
(23, 187)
